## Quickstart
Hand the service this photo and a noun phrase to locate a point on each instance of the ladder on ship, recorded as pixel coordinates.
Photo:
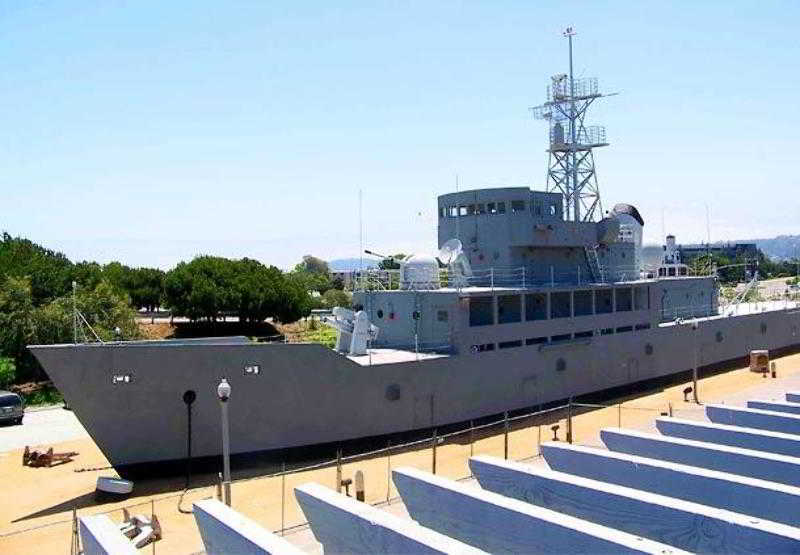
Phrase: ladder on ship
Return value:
(593, 263)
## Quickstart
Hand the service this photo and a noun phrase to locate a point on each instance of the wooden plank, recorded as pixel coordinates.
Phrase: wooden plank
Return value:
(343, 525)
(676, 522)
(745, 462)
(100, 536)
(736, 436)
(226, 531)
(775, 406)
(793, 396)
(740, 494)
(500, 524)
(754, 418)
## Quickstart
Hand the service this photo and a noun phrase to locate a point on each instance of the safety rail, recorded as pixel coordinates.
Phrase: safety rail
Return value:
(494, 277)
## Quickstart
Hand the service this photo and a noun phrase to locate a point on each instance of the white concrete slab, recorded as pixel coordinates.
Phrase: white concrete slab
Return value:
(739, 494)
(754, 418)
(226, 531)
(793, 396)
(100, 536)
(735, 436)
(343, 525)
(776, 406)
(500, 524)
(676, 522)
(745, 462)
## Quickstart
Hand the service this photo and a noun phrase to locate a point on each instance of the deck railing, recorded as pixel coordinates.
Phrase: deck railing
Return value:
(494, 277)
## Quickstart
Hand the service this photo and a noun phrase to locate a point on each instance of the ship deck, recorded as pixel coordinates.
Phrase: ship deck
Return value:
(393, 356)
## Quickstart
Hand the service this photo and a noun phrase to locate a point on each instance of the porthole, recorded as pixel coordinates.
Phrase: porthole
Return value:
(415, 315)
(380, 313)
(561, 365)
(763, 328)
(648, 349)
(719, 337)
(393, 392)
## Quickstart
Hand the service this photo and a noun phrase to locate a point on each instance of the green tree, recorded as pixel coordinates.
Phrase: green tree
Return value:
(49, 272)
(337, 297)
(8, 372)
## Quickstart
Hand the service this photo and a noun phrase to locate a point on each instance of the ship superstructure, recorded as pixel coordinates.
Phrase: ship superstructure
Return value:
(533, 297)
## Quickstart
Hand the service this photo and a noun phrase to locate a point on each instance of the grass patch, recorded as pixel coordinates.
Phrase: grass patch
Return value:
(308, 331)
(42, 397)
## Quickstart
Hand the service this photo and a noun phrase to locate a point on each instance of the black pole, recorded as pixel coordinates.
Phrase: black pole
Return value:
(188, 398)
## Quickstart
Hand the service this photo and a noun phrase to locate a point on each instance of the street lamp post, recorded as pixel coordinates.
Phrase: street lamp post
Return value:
(694, 367)
(224, 393)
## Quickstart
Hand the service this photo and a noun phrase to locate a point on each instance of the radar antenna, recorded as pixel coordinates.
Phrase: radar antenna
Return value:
(452, 255)
(570, 169)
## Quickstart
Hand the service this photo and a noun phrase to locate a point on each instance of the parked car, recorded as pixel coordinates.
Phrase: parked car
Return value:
(12, 407)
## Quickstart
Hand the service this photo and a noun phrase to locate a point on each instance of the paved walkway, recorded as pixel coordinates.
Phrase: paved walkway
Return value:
(41, 426)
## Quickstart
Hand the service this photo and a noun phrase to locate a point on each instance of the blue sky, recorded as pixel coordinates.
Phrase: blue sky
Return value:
(149, 132)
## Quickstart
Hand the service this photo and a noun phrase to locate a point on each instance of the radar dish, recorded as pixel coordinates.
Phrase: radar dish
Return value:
(450, 251)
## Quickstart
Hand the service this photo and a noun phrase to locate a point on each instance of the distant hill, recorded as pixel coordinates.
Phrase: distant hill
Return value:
(350, 264)
(782, 247)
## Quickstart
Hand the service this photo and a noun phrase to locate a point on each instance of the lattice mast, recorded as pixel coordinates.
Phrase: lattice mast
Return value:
(570, 169)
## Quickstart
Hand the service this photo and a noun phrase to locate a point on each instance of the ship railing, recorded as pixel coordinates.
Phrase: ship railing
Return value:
(493, 277)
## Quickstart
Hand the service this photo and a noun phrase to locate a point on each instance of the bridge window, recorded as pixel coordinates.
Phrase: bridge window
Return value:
(603, 301)
(560, 305)
(452, 211)
(583, 303)
(607, 331)
(471, 210)
(509, 309)
(509, 344)
(481, 311)
(536, 340)
(517, 206)
(672, 272)
(583, 334)
(480, 209)
(462, 210)
(536, 306)
(501, 207)
(682, 271)
(624, 299)
(562, 337)
(624, 329)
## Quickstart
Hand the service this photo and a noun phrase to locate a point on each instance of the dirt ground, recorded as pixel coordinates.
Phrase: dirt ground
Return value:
(39, 517)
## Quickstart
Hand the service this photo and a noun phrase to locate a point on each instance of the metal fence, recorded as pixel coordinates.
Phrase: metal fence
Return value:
(269, 499)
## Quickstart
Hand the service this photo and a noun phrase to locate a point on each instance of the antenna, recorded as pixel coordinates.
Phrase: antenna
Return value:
(570, 168)
(458, 218)
(360, 238)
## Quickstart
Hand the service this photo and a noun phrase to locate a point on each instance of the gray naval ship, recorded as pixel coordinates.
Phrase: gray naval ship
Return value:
(535, 296)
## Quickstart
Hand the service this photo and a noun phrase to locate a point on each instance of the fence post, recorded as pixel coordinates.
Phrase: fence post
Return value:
(75, 547)
(670, 409)
(552, 277)
(471, 438)
(435, 440)
(505, 435)
(569, 421)
(491, 276)
(339, 470)
(219, 486)
(359, 480)
(523, 277)
(619, 415)
(388, 468)
(283, 497)
(539, 440)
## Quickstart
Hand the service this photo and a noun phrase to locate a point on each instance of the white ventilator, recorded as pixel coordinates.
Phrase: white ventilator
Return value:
(354, 330)
(452, 255)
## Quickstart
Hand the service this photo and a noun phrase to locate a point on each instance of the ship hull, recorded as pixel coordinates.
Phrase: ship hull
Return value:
(305, 394)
